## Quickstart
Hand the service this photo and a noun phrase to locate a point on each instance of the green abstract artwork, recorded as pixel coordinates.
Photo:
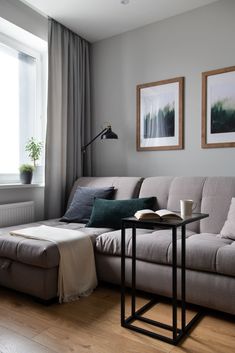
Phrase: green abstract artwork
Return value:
(223, 116)
(160, 123)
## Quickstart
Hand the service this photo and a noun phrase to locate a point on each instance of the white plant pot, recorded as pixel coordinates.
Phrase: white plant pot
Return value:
(38, 176)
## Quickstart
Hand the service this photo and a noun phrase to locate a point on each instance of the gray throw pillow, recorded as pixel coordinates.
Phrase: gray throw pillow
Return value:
(80, 208)
(228, 230)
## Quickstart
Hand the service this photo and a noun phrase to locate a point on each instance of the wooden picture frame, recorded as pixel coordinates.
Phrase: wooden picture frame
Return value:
(218, 108)
(160, 115)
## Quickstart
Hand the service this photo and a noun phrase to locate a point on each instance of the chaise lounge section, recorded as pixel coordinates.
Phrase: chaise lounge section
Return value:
(31, 266)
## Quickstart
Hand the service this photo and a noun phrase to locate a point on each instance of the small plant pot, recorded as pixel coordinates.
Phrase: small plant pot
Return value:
(26, 177)
(37, 175)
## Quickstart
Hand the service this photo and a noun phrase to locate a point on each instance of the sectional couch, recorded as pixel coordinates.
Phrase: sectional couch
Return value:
(31, 266)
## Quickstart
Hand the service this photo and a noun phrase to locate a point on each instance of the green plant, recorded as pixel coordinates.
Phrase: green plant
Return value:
(26, 168)
(34, 149)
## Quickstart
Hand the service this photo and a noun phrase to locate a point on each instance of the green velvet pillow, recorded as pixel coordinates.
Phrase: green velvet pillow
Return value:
(109, 213)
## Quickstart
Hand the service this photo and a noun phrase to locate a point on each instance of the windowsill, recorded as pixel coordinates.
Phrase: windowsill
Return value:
(20, 186)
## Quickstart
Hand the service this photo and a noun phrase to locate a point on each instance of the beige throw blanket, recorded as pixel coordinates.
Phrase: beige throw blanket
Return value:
(77, 273)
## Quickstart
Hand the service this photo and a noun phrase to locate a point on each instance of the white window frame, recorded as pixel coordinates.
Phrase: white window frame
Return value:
(41, 97)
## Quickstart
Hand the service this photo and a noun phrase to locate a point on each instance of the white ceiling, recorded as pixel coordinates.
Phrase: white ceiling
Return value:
(99, 19)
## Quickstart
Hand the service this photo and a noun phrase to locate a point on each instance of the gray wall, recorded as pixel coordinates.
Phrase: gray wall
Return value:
(184, 45)
(24, 17)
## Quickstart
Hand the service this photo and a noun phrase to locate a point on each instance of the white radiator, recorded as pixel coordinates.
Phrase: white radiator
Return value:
(12, 214)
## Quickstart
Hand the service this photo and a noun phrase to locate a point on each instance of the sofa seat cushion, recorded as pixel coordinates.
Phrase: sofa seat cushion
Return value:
(204, 252)
(151, 246)
(38, 253)
(201, 252)
(33, 252)
(225, 262)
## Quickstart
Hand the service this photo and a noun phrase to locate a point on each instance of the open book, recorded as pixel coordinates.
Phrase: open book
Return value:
(157, 215)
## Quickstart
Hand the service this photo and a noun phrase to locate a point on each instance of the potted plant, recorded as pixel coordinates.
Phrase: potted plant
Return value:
(34, 149)
(26, 173)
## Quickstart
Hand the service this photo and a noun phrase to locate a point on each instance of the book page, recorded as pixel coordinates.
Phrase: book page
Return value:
(145, 214)
(145, 211)
(165, 213)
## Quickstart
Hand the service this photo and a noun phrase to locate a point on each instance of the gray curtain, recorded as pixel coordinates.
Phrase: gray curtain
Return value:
(68, 115)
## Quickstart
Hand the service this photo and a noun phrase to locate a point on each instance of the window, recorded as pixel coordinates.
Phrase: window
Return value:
(22, 104)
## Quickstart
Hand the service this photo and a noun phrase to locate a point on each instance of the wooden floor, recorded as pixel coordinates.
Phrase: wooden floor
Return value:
(92, 325)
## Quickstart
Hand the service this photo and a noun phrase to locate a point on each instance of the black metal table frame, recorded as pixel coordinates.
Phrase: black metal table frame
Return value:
(177, 333)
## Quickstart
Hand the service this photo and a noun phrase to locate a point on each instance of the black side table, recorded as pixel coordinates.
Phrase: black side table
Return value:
(177, 333)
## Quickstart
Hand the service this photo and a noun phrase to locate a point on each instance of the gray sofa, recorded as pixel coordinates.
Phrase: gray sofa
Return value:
(31, 266)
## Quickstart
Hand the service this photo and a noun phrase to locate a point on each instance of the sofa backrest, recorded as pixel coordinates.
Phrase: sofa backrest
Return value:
(159, 187)
(212, 195)
(216, 199)
(126, 187)
(183, 188)
(170, 190)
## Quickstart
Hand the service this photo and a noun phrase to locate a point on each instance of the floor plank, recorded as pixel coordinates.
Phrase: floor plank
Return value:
(10, 342)
(23, 323)
(92, 325)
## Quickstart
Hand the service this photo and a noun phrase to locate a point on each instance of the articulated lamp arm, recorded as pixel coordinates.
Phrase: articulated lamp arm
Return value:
(106, 133)
(89, 143)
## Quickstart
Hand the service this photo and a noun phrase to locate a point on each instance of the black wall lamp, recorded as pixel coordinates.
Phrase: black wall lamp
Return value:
(106, 133)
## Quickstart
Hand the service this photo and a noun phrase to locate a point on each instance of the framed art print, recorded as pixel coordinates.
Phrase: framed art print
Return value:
(218, 108)
(160, 115)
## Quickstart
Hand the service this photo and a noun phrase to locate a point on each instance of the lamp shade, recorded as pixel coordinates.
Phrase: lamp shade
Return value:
(109, 134)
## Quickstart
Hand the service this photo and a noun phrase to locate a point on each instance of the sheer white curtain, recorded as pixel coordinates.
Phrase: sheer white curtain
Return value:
(68, 120)
(21, 108)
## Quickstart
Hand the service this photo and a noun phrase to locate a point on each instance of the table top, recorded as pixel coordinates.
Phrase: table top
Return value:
(166, 223)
